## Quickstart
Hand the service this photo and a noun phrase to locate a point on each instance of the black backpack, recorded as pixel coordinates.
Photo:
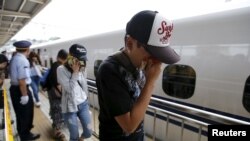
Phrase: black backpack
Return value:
(45, 81)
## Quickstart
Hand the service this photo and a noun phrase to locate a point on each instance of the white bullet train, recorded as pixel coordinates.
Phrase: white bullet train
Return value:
(214, 71)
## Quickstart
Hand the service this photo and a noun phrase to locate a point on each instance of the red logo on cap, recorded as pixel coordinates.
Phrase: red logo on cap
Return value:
(166, 30)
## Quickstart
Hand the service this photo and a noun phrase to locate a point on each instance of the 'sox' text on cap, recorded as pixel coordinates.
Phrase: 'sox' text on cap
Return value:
(153, 30)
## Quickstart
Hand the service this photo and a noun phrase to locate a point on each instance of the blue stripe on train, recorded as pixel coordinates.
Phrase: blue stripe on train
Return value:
(186, 126)
(205, 109)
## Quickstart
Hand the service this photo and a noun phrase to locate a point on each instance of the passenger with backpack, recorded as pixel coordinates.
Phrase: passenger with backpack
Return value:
(54, 94)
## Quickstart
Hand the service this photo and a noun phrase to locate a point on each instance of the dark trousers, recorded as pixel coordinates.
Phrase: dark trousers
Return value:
(2, 107)
(24, 113)
(1, 99)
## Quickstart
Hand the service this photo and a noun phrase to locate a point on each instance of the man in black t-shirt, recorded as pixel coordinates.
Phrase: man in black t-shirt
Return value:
(126, 79)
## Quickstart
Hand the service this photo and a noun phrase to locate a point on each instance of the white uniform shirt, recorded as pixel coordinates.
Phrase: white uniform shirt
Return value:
(19, 69)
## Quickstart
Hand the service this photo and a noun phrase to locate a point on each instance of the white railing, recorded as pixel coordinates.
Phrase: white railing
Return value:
(169, 115)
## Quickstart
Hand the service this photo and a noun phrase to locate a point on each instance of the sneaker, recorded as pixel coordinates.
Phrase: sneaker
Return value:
(81, 139)
(38, 104)
(31, 136)
(58, 134)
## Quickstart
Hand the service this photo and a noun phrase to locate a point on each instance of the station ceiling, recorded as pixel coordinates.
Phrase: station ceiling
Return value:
(15, 14)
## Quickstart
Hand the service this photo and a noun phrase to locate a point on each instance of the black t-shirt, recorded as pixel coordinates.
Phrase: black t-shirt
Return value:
(53, 83)
(52, 79)
(118, 90)
(53, 74)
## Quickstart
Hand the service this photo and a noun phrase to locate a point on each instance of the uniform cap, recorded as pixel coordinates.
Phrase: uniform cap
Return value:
(22, 44)
(79, 52)
(153, 30)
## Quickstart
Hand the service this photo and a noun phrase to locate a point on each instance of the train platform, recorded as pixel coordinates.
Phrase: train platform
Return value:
(42, 121)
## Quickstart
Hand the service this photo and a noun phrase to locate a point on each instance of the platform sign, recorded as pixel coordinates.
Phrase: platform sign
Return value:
(7, 121)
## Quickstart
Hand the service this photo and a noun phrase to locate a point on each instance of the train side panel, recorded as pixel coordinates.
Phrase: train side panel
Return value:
(216, 46)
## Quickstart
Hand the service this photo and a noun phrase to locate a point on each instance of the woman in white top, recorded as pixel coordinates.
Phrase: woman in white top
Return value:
(35, 74)
(73, 79)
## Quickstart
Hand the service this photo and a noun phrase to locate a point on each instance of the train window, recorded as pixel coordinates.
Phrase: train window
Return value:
(50, 61)
(45, 63)
(179, 81)
(246, 95)
(38, 51)
(96, 66)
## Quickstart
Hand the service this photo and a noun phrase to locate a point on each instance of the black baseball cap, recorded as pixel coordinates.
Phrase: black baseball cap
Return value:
(154, 31)
(78, 51)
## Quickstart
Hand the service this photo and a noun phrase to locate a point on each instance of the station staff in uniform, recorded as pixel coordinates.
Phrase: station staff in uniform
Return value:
(19, 90)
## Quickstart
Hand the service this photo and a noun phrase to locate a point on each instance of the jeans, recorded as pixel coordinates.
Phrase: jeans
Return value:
(35, 87)
(72, 122)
